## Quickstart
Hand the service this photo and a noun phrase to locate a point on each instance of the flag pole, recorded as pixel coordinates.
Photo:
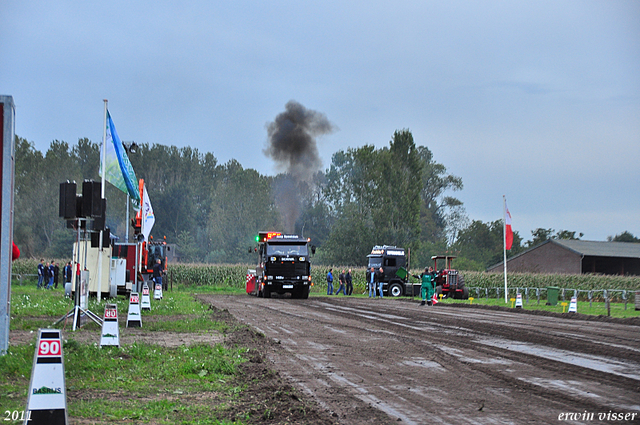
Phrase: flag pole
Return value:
(504, 244)
(102, 194)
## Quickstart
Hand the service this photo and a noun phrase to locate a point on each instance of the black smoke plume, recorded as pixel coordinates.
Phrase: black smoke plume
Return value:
(292, 145)
(292, 140)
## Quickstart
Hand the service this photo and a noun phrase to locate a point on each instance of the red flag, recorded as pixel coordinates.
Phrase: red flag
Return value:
(508, 233)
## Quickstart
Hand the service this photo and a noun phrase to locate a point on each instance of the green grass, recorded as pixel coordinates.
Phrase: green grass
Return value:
(138, 382)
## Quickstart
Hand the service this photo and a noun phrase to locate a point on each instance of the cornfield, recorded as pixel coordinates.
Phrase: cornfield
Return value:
(234, 275)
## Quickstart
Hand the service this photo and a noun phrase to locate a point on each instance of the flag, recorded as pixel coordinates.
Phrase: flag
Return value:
(148, 219)
(119, 171)
(508, 233)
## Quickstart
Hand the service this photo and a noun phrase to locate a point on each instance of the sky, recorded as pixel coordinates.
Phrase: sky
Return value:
(537, 101)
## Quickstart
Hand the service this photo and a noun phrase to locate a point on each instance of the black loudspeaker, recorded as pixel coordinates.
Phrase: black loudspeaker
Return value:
(99, 221)
(106, 238)
(67, 208)
(91, 198)
(79, 209)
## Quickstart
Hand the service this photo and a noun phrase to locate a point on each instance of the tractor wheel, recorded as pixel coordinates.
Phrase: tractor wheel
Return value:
(266, 293)
(465, 293)
(438, 291)
(395, 290)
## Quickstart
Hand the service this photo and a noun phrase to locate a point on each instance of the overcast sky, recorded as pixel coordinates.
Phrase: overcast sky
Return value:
(538, 101)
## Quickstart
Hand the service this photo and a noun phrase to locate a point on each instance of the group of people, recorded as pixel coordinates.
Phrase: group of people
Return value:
(375, 282)
(49, 274)
(346, 284)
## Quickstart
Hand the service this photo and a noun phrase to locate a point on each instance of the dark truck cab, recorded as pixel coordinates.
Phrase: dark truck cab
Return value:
(283, 265)
(394, 265)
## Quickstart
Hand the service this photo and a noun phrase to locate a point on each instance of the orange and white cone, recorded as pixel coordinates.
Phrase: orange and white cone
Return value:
(434, 299)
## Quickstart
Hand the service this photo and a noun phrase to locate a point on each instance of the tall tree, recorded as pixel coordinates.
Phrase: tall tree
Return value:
(241, 206)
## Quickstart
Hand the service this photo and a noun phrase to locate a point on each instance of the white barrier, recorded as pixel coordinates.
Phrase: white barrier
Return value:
(157, 294)
(134, 319)
(110, 328)
(47, 397)
(146, 299)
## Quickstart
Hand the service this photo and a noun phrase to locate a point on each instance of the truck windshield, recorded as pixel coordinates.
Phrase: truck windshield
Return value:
(155, 253)
(375, 262)
(287, 249)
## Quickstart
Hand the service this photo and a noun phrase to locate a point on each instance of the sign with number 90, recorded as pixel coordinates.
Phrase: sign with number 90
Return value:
(49, 348)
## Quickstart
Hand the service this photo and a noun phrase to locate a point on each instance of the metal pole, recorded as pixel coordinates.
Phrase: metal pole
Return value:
(504, 245)
(126, 222)
(102, 190)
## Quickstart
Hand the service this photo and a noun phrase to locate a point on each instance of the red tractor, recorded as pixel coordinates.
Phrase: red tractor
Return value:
(449, 283)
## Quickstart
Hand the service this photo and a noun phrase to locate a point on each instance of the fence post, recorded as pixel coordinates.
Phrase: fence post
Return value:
(526, 293)
(590, 294)
(538, 295)
(624, 297)
(486, 293)
(563, 294)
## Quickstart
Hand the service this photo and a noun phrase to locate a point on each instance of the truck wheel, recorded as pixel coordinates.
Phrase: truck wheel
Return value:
(266, 293)
(305, 293)
(395, 290)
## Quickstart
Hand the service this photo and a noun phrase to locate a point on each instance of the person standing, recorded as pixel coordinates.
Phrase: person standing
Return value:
(342, 286)
(48, 275)
(426, 287)
(67, 273)
(380, 280)
(348, 282)
(56, 274)
(330, 282)
(372, 282)
(40, 273)
(157, 273)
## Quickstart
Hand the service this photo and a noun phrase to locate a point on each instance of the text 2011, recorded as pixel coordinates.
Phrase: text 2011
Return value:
(16, 415)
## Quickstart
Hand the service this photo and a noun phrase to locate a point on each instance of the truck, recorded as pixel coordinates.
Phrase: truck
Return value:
(283, 266)
(449, 283)
(394, 264)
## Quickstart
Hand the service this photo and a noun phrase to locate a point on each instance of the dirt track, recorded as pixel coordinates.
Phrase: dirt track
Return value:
(449, 365)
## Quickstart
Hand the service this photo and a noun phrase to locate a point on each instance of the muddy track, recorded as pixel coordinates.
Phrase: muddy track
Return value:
(360, 357)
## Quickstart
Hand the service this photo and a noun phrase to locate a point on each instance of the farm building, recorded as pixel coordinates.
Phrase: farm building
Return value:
(576, 257)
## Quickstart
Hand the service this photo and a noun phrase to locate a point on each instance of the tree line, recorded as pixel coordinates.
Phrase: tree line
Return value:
(396, 195)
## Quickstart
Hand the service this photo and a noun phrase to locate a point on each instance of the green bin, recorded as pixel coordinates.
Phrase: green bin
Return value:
(552, 295)
(402, 273)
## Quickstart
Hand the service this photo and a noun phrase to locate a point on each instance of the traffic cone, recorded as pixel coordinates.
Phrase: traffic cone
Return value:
(47, 397)
(573, 307)
(434, 299)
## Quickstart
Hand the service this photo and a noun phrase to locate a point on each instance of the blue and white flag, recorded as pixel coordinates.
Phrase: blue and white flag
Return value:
(119, 171)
